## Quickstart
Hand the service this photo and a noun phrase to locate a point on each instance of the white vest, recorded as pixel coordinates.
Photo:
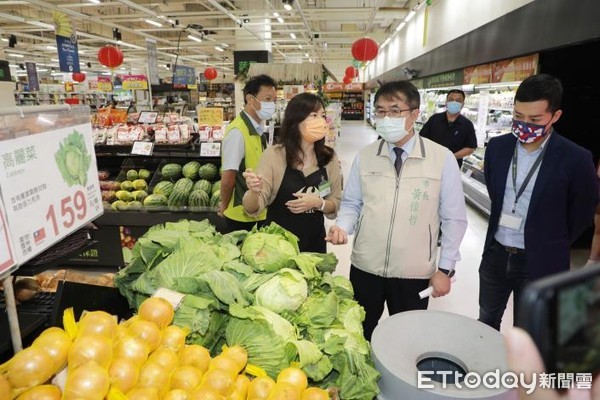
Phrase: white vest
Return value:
(397, 231)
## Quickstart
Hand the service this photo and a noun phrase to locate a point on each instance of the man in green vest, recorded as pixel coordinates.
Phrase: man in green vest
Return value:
(243, 145)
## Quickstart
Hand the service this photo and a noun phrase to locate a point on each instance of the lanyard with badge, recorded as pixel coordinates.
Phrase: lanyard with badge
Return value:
(324, 187)
(513, 221)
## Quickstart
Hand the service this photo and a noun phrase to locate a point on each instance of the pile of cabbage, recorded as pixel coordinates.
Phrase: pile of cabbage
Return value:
(256, 290)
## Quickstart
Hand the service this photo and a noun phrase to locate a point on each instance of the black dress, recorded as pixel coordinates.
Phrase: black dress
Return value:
(308, 226)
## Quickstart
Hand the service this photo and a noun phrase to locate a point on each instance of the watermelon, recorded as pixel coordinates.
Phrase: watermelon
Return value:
(215, 199)
(203, 184)
(154, 201)
(216, 187)
(165, 188)
(190, 170)
(208, 171)
(198, 198)
(178, 198)
(184, 185)
(171, 171)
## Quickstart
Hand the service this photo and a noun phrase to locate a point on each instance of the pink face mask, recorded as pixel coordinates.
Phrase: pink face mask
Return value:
(314, 129)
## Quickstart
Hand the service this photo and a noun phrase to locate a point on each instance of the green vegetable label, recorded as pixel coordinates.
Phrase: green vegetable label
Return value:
(73, 160)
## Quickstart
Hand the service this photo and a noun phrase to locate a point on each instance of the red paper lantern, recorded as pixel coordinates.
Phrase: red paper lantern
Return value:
(110, 56)
(347, 80)
(78, 76)
(210, 73)
(351, 72)
(365, 49)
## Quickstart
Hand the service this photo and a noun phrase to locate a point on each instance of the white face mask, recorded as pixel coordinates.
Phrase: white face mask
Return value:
(391, 129)
(267, 110)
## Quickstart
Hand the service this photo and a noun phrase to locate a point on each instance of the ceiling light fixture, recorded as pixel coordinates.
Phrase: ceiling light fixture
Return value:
(151, 22)
(94, 1)
(218, 48)
(41, 24)
(51, 47)
(15, 55)
(300, 46)
(194, 38)
(287, 4)
(306, 54)
(410, 15)
(293, 35)
(276, 14)
(399, 27)
(281, 21)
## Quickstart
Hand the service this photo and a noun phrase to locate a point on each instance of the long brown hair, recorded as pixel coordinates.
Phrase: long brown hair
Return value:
(300, 107)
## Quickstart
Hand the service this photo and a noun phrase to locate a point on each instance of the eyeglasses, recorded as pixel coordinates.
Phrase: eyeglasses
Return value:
(394, 113)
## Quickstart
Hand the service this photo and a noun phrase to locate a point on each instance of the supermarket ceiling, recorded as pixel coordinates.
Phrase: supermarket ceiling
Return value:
(308, 31)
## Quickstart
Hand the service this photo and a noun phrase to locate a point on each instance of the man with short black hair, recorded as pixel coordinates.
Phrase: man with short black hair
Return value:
(543, 190)
(243, 144)
(451, 129)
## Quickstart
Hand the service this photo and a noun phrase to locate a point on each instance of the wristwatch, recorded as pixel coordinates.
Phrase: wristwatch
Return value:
(449, 272)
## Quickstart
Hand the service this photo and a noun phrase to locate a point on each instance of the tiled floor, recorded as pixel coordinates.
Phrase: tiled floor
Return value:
(463, 298)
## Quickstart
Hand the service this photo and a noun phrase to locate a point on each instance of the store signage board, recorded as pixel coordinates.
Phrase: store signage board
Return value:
(452, 78)
(140, 148)
(514, 69)
(184, 76)
(43, 208)
(32, 77)
(134, 82)
(7, 257)
(68, 55)
(210, 116)
(210, 149)
(105, 84)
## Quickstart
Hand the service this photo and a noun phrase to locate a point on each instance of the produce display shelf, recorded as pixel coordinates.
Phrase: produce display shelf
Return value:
(143, 218)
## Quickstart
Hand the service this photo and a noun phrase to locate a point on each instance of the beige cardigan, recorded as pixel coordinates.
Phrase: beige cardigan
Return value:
(272, 166)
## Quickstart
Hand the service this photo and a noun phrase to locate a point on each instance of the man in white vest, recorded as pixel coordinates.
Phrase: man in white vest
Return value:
(399, 190)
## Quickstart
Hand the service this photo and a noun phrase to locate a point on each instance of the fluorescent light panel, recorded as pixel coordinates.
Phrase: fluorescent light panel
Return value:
(218, 48)
(151, 22)
(194, 38)
(293, 35)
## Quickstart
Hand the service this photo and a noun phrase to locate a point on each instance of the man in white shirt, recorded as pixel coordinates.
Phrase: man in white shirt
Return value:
(399, 190)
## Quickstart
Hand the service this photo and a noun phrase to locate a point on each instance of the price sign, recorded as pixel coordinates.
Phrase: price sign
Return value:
(210, 149)
(7, 258)
(142, 148)
(49, 183)
(210, 116)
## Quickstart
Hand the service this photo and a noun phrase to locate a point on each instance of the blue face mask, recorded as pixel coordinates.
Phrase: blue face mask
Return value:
(453, 107)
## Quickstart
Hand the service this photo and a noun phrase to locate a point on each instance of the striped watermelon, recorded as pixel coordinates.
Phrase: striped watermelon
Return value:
(171, 171)
(178, 198)
(155, 201)
(215, 199)
(203, 184)
(208, 171)
(190, 170)
(216, 186)
(183, 185)
(198, 198)
(165, 188)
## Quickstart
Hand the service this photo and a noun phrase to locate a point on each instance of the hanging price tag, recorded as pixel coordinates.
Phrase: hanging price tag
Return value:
(210, 149)
(140, 148)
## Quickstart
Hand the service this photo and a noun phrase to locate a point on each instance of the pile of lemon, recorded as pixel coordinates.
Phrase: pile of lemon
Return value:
(143, 358)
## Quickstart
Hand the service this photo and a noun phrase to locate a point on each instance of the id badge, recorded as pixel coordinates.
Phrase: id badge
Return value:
(324, 188)
(511, 221)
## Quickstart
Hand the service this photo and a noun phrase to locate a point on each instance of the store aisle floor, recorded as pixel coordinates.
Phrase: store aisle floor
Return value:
(463, 299)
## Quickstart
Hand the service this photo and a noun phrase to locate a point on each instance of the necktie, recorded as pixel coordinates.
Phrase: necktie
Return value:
(398, 163)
